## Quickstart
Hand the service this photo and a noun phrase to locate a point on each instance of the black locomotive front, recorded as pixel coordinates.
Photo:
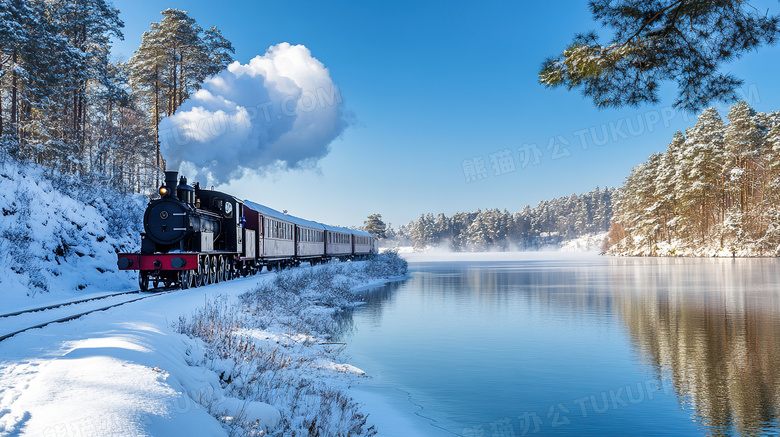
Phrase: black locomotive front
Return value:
(176, 221)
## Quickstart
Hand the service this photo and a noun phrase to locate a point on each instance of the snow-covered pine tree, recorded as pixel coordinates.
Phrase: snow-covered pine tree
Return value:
(375, 226)
(703, 162)
(175, 56)
(715, 190)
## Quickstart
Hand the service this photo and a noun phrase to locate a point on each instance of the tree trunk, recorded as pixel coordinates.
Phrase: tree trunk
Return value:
(157, 130)
(14, 94)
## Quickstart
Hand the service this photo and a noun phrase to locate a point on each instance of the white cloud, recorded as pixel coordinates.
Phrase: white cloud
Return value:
(281, 110)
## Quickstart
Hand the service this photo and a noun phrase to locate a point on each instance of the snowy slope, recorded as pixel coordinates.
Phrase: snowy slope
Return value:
(59, 237)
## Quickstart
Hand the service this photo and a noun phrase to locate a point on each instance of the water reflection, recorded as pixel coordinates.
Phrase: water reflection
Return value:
(487, 342)
(712, 328)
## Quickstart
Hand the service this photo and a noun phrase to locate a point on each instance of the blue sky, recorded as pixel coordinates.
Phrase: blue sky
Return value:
(436, 85)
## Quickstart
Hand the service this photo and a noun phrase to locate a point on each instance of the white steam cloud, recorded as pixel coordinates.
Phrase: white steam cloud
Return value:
(282, 110)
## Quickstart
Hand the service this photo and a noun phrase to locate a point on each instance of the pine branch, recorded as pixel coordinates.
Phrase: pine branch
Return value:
(679, 4)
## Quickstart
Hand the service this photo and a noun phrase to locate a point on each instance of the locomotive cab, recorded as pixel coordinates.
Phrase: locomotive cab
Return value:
(228, 209)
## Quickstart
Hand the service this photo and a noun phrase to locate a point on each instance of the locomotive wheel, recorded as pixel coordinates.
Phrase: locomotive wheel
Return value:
(220, 264)
(206, 270)
(202, 271)
(210, 270)
(143, 281)
(185, 279)
(213, 271)
(228, 269)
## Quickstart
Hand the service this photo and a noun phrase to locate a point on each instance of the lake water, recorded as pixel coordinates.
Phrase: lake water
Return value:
(572, 345)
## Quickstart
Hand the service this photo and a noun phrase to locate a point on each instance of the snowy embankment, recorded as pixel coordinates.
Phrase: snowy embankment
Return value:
(713, 246)
(61, 235)
(248, 357)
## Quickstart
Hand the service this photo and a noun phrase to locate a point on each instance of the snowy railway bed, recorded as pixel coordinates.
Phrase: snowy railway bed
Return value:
(62, 304)
(12, 324)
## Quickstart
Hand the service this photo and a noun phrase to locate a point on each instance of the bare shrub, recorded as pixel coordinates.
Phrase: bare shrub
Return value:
(269, 347)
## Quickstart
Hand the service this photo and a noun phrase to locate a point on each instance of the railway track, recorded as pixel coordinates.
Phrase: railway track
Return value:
(63, 304)
(78, 306)
(6, 332)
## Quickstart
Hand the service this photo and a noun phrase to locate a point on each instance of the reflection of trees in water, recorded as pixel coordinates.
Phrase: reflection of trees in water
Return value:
(714, 330)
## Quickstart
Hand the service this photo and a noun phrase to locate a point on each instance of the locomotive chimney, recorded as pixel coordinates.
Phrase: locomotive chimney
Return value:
(171, 178)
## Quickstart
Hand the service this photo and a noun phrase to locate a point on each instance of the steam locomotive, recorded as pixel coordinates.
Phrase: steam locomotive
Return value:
(194, 236)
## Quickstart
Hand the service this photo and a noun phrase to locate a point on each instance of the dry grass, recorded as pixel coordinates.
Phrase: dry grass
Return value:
(268, 348)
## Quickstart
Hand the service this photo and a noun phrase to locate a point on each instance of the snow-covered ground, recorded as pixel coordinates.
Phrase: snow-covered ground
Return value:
(59, 236)
(710, 247)
(247, 357)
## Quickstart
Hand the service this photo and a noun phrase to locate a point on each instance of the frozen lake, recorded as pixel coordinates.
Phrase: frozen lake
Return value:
(552, 344)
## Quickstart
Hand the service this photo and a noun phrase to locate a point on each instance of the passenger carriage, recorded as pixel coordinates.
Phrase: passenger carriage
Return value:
(363, 245)
(338, 242)
(276, 242)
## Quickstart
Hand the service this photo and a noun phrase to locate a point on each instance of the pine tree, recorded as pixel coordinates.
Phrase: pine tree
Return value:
(653, 41)
(742, 140)
(88, 26)
(375, 226)
(702, 158)
(714, 189)
(175, 56)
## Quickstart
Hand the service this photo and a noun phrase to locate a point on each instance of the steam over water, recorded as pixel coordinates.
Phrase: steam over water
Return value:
(279, 111)
(590, 346)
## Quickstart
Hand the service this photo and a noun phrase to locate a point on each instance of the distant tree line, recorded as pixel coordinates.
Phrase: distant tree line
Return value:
(65, 104)
(716, 188)
(550, 222)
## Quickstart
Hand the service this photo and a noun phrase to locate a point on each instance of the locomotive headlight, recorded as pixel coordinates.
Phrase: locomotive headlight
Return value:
(163, 191)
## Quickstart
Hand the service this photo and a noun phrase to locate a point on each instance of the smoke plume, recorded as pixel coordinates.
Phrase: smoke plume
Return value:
(281, 110)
